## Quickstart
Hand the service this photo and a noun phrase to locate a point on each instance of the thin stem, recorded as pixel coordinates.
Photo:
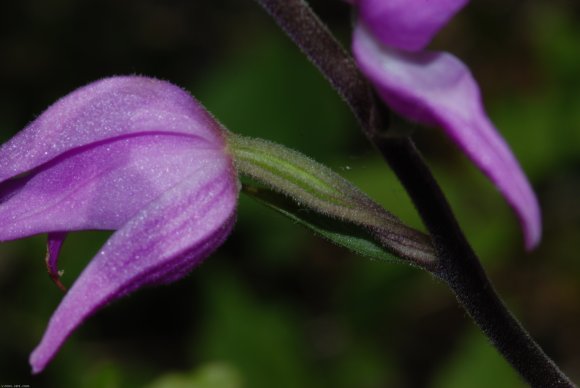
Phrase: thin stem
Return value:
(458, 265)
(460, 268)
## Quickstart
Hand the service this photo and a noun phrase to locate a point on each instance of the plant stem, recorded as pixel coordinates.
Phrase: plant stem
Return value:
(458, 265)
(460, 268)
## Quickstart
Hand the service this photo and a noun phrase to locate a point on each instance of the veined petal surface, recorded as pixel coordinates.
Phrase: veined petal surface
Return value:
(438, 89)
(407, 24)
(161, 243)
(102, 110)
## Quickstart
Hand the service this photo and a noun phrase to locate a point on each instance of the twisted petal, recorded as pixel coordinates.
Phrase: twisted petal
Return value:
(407, 24)
(437, 89)
(102, 110)
(160, 244)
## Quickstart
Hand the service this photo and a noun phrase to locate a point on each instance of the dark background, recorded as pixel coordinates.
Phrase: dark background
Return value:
(277, 306)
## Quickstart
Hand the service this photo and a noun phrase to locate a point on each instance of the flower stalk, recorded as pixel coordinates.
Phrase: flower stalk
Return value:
(458, 266)
(318, 189)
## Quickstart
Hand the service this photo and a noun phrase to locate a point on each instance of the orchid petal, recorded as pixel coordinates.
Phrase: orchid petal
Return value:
(165, 240)
(53, 246)
(407, 24)
(113, 107)
(100, 186)
(437, 89)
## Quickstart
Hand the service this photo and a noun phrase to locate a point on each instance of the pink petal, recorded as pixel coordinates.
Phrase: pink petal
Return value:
(161, 243)
(101, 186)
(407, 24)
(106, 109)
(437, 89)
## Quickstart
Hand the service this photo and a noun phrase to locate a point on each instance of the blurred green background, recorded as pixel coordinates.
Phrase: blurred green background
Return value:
(277, 306)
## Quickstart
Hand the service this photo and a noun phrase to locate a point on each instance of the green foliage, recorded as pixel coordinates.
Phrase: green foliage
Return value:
(261, 340)
(476, 364)
(206, 376)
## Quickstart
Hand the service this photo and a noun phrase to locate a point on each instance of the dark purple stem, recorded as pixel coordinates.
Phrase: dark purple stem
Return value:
(458, 265)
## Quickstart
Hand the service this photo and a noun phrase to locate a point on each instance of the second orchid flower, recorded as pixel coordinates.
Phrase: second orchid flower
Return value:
(437, 89)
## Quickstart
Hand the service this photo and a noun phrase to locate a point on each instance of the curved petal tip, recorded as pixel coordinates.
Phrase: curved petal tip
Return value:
(531, 221)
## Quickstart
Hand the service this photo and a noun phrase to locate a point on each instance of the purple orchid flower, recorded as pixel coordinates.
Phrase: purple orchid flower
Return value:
(131, 154)
(437, 89)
